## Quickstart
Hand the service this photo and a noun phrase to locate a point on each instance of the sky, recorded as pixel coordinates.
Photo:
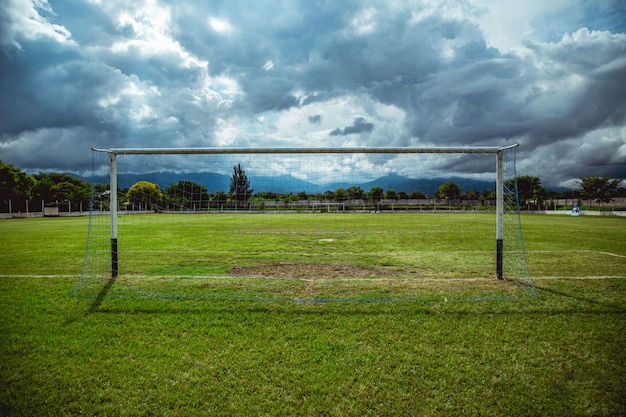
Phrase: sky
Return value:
(549, 75)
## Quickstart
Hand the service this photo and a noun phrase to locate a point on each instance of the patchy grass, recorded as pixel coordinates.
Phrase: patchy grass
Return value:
(349, 256)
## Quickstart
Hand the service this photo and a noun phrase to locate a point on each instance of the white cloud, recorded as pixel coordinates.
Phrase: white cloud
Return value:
(365, 21)
(151, 35)
(508, 24)
(220, 25)
(26, 19)
(269, 65)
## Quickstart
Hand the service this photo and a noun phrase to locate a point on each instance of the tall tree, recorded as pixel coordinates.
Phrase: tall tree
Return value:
(448, 190)
(16, 187)
(65, 192)
(376, 193)
(528, 188)
(599, 189)
(341, 194)
(188, 194)
(489, 194)
(391, 195)
(220, 198)
(55, 187)
(15, 183)
(472, 195)
(356, 192)
(144, 192)
(240, 184)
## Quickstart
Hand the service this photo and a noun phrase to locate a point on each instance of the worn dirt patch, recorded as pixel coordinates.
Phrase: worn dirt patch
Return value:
(312, 271)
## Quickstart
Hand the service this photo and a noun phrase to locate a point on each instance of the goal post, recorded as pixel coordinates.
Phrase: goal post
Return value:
(499, 212)
(505, 199)
(113, 204)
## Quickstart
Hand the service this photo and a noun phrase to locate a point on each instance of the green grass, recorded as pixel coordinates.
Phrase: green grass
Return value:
(559, 354)
(575, 247)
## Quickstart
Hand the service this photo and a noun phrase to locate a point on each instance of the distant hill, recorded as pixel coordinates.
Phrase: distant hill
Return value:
(214, 182)
(287, 184)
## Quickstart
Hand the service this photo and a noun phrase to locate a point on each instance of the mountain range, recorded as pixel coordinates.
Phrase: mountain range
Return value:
(289, 184)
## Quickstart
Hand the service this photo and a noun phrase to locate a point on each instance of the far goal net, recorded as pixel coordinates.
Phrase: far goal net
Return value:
(340, 224)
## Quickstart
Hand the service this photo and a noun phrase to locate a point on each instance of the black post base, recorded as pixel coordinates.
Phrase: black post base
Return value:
(114, 269)
(499, 250)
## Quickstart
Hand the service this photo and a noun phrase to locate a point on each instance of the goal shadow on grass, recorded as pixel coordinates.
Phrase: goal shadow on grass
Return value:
(141, 300)
(94, 307)
(99, 298)
(572, 301)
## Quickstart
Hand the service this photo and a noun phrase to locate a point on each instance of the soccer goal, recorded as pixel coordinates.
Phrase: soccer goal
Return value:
(375, 224)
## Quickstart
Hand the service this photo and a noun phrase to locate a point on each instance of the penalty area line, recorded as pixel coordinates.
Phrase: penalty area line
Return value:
(613, 254)
(586, 277)
(617, 255)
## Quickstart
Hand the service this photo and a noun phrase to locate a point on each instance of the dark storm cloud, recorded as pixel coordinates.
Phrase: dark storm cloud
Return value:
(359, 125)
(495, 98)
(46, 88)
(267, 93)
(213, 73)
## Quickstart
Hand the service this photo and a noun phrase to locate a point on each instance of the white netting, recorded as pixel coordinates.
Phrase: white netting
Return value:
(307, 227)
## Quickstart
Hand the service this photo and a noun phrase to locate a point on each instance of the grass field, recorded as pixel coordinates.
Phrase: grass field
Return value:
(561, 353)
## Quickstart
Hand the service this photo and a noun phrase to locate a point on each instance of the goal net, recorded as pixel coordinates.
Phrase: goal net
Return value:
(372, 224)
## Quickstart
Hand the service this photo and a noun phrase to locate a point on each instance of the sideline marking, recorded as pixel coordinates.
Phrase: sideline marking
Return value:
(37, 276)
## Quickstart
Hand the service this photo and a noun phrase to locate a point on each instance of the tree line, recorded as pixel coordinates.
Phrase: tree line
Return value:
(25, 192)
(19, 190)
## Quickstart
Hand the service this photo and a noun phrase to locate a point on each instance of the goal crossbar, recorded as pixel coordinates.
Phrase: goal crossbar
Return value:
(234, 151)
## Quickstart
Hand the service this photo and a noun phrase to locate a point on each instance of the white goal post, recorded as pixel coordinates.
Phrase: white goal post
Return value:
(498, 152)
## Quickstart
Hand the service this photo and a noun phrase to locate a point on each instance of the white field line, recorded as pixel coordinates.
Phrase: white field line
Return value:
(235, 278)
(587, 277)
(577, 251)
(613, 254)
(36, 276)
(39, 251)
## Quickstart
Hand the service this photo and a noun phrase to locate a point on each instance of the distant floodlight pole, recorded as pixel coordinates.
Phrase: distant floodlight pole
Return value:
(499, 151)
